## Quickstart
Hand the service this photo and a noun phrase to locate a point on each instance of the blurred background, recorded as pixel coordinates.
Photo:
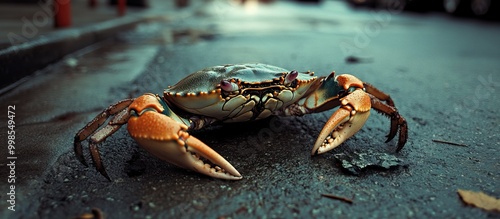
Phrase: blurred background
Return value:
(476, 8)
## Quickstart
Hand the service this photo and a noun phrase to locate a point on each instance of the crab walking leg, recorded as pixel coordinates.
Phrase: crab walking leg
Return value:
(99, 136)
(93, 125)
(378, 94)
(389, 109)
(397, 121)
(345, 122)
(169, 140)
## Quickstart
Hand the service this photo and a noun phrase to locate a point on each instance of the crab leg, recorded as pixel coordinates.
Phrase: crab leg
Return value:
(169, 140)
(389, 110)
(378, 94)
(397, 121)
(345, 122)
(120, 110)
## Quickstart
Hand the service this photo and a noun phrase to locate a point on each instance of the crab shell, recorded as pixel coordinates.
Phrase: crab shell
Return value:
(259, 91)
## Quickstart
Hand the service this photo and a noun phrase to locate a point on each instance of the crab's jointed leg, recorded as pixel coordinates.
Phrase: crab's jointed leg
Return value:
(120, 112)
(388, 109)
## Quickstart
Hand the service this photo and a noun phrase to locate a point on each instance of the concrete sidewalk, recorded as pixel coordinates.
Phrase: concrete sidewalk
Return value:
(29, 42)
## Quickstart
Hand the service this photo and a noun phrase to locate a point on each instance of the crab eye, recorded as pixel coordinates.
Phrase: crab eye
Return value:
(291, 77)
(228, 86)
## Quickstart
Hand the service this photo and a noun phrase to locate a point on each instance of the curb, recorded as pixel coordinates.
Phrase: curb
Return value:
(20, 61)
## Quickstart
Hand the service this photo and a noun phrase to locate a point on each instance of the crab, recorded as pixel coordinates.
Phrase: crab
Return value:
(237, 93)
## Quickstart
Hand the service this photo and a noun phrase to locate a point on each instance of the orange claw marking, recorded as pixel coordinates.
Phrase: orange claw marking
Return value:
(155, 126)
(359, 100)
(347, 81)
(168, 140)
(345, 122)
(146, 101)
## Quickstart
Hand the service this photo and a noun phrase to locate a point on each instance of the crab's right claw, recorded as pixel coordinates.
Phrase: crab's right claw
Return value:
(168, 140)
(344, 123)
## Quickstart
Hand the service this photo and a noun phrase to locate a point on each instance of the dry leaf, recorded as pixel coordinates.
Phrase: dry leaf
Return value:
(479, 200)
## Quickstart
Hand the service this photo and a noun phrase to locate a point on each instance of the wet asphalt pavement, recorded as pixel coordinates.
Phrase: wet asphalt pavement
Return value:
(442, 72)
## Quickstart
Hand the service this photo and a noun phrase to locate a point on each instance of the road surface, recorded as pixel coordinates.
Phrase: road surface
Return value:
(442, 72)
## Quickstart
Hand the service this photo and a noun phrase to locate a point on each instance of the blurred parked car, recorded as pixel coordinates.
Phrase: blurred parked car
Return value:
(371, 3)
(414, 5)
(478, 8)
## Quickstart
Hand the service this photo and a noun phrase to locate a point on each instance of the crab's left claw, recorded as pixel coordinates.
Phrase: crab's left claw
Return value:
(168, 140)
(345, 122)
